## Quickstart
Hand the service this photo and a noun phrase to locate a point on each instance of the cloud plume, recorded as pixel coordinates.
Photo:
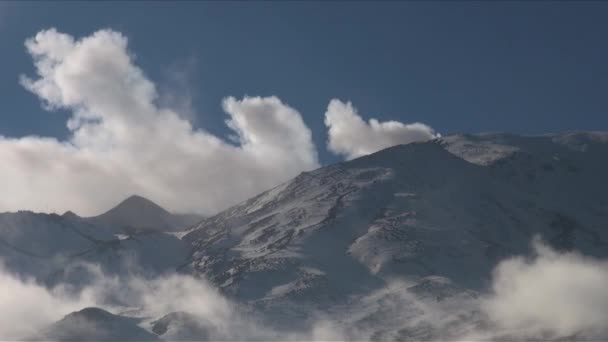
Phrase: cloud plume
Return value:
(123, 142)
(352, 137)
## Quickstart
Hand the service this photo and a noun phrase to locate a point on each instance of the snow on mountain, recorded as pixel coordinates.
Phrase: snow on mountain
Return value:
(127, 238)
(450, 208)
(38, 244)
(399, 244)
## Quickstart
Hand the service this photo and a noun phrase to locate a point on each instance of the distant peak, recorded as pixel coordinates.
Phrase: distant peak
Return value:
(136, 204)
(91, 313)
(137, 200)
(69, 214)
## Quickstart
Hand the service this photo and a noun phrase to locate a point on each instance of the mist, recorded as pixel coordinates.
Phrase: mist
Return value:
(546, 295)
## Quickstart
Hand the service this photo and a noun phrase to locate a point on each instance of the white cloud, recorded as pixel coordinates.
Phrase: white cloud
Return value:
(549, 296)
(352, 137)
(25, 306)
(27, 309)
(122, 142)
(177, 90)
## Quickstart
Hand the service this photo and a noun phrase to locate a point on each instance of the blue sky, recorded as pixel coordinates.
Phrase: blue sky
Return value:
(521, 67)
(459, 67)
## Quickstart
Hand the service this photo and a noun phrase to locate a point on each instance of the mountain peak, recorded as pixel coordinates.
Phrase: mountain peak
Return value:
(69, 214)
(138, 204)
(137, 212)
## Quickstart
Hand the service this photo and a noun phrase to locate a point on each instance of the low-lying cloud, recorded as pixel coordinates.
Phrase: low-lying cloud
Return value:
(28, 310)
(550, 295)
(352, 137)
(26, 307)
(547, 296)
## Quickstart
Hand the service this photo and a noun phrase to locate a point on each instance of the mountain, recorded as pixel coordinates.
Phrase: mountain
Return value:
(138, 213)
(94, 324)
(127, 238)
(448, 209)
(397, 245)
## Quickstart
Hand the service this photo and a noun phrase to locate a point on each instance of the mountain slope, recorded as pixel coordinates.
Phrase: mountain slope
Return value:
(451, 208)
(50, 247)
(40, 244)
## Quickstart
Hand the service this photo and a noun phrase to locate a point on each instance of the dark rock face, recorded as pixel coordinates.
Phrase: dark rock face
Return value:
(140, 214)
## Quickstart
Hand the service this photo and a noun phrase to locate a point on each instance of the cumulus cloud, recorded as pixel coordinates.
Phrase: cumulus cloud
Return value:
(124, 142)
(352, 137)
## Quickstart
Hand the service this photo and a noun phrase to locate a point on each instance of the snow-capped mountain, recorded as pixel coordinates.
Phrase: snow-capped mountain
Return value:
(418, 226)
(449, 208)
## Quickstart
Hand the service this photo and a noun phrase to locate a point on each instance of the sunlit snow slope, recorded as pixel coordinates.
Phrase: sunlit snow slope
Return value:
(450, 208)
